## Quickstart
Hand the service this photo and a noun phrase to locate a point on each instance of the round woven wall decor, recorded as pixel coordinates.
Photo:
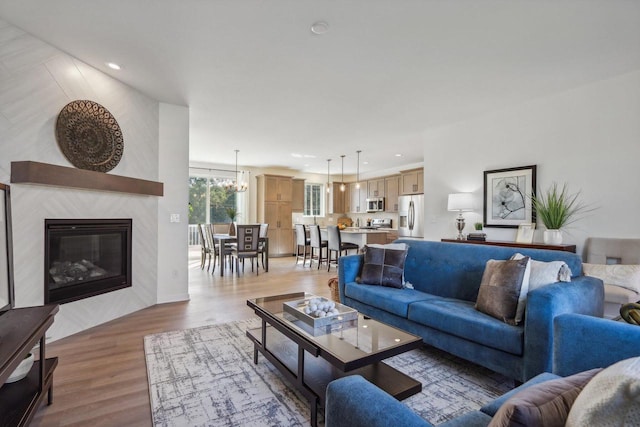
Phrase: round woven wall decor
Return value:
(89, 136)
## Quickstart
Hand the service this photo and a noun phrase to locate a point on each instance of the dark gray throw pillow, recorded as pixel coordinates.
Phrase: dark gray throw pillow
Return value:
(383, 267)
(500, 288)
(545, 404)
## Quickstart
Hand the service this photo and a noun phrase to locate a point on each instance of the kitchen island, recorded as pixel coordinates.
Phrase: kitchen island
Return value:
(360, 236)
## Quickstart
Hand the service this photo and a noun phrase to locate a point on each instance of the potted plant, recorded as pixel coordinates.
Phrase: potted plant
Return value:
(478, 226)
(233, 214)
(557, 208)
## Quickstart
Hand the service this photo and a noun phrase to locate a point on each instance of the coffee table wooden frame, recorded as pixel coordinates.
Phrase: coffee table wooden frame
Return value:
(309, 367)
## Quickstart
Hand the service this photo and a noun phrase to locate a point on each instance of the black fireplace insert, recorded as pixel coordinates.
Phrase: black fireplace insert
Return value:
(85, 257)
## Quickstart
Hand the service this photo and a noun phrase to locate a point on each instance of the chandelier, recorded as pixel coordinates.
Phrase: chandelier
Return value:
(237, 186)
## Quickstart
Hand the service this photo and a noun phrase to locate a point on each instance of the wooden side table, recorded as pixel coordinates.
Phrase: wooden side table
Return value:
(20, 330)
(563, 247)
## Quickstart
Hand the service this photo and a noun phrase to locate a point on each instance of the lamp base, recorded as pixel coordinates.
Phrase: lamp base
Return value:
(460, 226)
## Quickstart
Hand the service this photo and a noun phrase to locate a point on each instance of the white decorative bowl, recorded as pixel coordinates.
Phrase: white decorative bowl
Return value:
(22, 370)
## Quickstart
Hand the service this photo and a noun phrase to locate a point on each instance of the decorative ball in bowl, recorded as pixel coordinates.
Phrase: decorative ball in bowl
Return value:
(22, 370)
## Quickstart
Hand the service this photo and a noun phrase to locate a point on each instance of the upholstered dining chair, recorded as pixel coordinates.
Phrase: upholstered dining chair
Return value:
(264, 232)
(248, 236)
(336, 246)
(316, 242)
(302, 241)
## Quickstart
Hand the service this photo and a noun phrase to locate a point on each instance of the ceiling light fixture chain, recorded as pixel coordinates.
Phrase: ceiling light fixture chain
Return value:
(328, 176)
(342, 186)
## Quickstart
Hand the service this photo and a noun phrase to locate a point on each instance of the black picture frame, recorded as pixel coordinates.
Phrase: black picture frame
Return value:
(507, 197)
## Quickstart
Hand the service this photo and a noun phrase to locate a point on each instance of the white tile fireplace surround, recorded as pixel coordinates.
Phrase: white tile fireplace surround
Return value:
(32, 204)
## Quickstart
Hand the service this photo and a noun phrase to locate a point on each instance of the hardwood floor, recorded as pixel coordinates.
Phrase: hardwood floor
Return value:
(101, 379)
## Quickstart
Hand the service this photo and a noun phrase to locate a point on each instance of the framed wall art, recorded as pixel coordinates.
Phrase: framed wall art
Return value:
(507, 197)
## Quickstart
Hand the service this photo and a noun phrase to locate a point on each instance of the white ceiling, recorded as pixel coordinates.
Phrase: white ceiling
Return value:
(257, 79)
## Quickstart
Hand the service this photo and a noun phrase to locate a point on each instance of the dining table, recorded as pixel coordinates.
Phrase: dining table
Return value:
(223, 241)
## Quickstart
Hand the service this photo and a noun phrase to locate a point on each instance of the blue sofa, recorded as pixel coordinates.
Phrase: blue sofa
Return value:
(580, 343)
(441, 308)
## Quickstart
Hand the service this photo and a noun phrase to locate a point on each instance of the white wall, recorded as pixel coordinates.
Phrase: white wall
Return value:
(588, 138)
(173, 280)
(36, 81)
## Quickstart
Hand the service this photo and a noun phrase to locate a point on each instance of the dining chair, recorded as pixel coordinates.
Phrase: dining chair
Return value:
(248, 236)
(336, 246)
(264, 232)
(204, 248)
(211, 243)
(316, 242)
(221, 227)
(302, 241)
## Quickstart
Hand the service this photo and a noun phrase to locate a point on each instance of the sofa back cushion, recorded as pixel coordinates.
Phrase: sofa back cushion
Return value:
(454, 270)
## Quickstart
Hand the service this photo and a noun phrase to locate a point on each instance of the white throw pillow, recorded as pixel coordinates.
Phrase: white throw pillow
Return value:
(522, 299)
(624, 275)
(611, 398)
(544, 273)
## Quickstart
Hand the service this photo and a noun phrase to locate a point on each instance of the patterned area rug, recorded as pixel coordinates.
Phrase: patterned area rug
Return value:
(206, 377)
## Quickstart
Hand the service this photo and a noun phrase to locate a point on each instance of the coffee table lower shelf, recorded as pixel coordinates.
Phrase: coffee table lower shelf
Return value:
(311, 374)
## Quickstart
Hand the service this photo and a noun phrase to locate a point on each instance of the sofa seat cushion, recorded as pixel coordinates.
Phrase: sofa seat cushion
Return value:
(460, 318)
(619, 295)
(392, 300)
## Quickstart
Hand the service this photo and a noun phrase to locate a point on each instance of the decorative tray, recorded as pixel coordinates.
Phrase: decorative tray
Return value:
(306, 310)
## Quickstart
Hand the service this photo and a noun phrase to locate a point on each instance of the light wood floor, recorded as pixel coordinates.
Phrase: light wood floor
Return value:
(101, 379)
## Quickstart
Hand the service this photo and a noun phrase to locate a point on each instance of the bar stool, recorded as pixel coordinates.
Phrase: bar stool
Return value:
(316, 242)
(336, 246)
(302, 241)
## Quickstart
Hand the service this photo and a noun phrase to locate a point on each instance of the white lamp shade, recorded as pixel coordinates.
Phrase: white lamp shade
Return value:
(461, 202)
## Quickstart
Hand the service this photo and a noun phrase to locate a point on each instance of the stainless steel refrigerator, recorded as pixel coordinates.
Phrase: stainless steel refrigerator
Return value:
(411, 216)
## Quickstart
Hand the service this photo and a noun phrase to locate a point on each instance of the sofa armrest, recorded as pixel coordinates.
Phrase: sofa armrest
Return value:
(584, 342)
(583, 295)
(354, 402)
(348, 269)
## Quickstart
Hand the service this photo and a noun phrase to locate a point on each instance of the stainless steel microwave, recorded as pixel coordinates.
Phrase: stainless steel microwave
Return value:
(375, 205)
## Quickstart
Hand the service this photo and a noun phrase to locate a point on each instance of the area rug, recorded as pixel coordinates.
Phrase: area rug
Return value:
(206, 377)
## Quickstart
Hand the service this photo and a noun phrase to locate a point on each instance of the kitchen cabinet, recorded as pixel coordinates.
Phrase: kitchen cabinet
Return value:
(391, 191)
(358, 198)
(278, 188)
(392, 236)
(339, 198)
(274, 207)
(375, 188)
(297, 195)
(412, 181)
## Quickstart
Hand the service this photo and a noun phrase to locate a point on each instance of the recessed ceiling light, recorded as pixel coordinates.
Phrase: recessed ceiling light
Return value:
(319, 27)
(365, 163)
(398, 155)
(113, 66)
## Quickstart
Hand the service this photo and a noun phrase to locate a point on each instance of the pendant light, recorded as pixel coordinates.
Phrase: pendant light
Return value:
(238, 187)
(358, 170)
(328, 176)
(342, 186)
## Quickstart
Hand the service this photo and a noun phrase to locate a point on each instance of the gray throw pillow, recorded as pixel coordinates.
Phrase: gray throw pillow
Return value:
(383, 266)
(544, 404)
(500, 288)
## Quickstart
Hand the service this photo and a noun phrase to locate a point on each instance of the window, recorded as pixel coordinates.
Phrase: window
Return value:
(209, 200)
(314, 199)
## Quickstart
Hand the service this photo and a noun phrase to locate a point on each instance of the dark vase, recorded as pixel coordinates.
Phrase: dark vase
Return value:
(232, 229)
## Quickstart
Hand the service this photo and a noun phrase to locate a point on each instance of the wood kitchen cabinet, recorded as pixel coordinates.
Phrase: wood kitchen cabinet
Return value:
(340, 199)
(275, 194)
(392, 191)
(412, 181)
(375, 188)
(297, 195)
(278, 188)
(358, 198)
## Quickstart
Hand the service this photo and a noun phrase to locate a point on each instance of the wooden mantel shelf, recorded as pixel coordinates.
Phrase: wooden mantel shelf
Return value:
(28, 172)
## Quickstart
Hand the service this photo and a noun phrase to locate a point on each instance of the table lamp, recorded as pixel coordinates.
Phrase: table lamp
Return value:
(461, 202)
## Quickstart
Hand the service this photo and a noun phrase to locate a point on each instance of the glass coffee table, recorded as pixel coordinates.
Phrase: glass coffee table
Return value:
(311, 356)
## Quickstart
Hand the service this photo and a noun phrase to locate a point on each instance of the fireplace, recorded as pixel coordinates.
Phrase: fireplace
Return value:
(85, 257)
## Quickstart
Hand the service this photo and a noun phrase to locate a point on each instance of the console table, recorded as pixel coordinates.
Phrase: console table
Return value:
(563, 247)
(20, 331)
